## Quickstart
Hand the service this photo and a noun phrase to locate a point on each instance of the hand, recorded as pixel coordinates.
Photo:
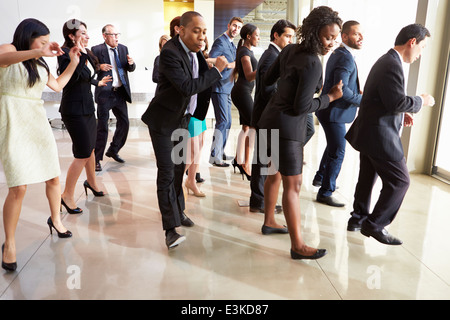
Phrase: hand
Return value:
(104, 81)
(221, 63)
(74, 55)
(408, 120)
(130, 60)
(80, 44)
(105, 67)
(51, 49)
(336, 92)
(428, 100)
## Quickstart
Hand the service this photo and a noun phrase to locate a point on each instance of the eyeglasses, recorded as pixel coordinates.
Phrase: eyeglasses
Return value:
(113, 34)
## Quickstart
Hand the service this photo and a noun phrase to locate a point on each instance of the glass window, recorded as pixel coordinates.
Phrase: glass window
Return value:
(380, 26)
(442, 160)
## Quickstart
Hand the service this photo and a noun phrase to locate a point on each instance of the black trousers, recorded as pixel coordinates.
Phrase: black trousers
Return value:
(395, 179)
(170, 152)
(119, 108)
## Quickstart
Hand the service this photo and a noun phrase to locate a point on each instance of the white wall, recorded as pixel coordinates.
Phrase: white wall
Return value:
(141, 22)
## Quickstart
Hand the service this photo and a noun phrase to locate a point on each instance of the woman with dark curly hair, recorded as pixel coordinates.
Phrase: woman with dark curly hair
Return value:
(299, 74)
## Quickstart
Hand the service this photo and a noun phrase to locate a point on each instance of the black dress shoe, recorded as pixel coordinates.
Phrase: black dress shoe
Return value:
(319, 254)
(115, 156)
(185, 221)
(173, 238)
(317, 183)
(98, 166)
(269, 230)
(330, 201)
(227, 158)
(354, 224)
(382, 236)
(198, 178)
(221, 165)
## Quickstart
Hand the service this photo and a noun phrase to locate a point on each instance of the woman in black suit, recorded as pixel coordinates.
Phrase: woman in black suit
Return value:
(241, 94)
(77, 112)
(299, 74)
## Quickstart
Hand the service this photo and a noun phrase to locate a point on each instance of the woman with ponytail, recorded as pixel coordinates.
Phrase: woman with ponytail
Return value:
(241, 95)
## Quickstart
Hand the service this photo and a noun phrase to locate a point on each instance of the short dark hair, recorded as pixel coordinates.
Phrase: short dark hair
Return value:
(236, 19)
(348, 25)
(412, 31)
(279, 28)
(187, 17)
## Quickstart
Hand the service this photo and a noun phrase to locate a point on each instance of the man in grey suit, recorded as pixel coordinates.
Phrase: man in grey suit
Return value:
(221, 92)
(384, 109)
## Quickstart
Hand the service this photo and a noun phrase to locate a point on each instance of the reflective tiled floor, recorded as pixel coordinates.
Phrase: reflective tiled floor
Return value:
(118, 249)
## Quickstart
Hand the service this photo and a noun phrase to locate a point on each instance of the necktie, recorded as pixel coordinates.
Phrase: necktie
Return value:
(194, 65)
(119, 67)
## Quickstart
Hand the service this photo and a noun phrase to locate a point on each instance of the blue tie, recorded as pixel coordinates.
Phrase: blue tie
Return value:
(119, 67)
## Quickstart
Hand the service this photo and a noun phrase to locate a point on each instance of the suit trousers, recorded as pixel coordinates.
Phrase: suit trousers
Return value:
(333, 156)
(395, 179)
(257, 180)
(171, 168)
(222, 112)
(118, 106)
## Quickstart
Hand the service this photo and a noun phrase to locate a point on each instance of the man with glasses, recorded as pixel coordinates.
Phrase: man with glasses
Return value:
(115, 62)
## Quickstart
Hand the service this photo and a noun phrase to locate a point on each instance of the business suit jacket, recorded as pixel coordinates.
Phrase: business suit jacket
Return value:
(101, 52)
(375, 131)
(263, 93)
(77, 96)
(222, 46)
(341, 66)
(175, 88)
(299, 76)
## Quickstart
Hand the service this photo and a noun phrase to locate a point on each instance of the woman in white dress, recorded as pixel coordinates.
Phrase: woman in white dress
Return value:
(28, 149)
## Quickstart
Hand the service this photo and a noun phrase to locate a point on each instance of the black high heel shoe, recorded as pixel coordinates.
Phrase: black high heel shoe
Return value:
(249, 177)
(66, 234)
(96, 193)
(69, 210)
(235, 164)
(8, 266)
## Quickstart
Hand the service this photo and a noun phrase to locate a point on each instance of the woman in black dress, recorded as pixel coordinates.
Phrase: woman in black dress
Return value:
(298, 71)
(77, 112)
(241, 95)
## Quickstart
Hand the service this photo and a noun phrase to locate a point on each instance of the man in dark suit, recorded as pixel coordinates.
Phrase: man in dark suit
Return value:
(340, 65)
(384, 109)
(183, 90)
(281, 35)
(114, 61)
(221, 92)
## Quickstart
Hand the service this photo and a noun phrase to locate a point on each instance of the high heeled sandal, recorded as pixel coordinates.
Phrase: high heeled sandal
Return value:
(88, 186)
(66, 234)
